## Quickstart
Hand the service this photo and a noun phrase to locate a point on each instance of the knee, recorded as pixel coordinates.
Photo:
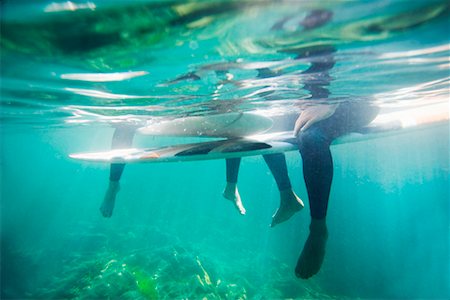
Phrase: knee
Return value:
(311, 139)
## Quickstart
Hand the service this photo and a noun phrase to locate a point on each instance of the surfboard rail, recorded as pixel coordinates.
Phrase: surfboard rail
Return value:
(385, 124)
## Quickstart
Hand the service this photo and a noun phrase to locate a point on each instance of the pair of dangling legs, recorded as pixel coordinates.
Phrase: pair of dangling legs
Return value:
(290, 203)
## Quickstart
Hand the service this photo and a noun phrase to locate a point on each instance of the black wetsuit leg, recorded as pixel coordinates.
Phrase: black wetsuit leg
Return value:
(122, 138)
(232, 167)
(277, 165)
(314, 145)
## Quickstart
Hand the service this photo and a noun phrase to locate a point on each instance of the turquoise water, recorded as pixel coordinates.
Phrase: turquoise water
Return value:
(172, 234)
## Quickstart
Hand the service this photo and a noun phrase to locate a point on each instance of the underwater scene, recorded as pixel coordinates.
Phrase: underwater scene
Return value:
(225, 149)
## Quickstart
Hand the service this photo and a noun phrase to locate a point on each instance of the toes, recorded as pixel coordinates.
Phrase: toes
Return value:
(281, 215)
(240, 208)
(276, 219)
(304, 274)
(304, 270)
(106, 213)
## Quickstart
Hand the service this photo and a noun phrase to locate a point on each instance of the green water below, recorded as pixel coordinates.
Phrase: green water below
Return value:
(388, 223)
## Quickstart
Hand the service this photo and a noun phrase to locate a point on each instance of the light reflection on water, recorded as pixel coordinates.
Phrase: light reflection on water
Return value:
(182, 59)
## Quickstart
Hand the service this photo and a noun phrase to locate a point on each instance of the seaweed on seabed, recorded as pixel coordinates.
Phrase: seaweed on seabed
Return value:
(146, 284)
(218, 289)
(97, 277)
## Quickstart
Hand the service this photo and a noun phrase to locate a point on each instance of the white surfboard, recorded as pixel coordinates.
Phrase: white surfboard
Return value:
(388, 123)
(220, 125)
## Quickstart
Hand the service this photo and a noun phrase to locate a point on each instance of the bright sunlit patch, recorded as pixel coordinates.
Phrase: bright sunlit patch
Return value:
(103, 77)
(435, 91)
(420, 115)
(68, 6)
(418, 60)
(411, 53)
(89, 114)
(106, 156)
(103, 95)
(267, 136)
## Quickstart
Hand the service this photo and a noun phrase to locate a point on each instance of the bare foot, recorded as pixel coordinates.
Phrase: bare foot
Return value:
(231, 193)
(290, 203)
(109, 201)
(313, 253)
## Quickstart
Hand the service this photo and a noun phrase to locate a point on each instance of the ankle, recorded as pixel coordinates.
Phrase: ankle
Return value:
(288, 197)
(231, 186)
(286, 193)
(318, 227)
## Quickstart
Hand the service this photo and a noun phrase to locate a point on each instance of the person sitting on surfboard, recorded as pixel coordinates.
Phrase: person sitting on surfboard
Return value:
(315, 129)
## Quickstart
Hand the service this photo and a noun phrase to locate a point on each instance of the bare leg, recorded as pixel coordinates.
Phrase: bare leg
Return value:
(231, 191)
(290, 203)
(122, 138)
